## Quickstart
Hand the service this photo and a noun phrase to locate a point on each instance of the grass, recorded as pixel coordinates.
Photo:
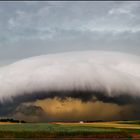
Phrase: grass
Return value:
(120, 129)
(47, 127)
(44, 130)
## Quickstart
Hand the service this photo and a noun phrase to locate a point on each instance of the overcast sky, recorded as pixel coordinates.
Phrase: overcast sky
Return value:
(35, 28)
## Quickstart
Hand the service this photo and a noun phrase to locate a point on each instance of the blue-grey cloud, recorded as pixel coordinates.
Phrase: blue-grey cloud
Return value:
(34, 28)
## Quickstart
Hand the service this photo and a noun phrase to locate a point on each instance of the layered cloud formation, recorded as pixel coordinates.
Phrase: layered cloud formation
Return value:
(107, 76)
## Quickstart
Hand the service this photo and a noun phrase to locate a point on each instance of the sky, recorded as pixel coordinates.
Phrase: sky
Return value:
(34, 28)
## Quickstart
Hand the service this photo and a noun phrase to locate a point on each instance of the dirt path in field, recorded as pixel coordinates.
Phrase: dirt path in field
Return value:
(135, 136)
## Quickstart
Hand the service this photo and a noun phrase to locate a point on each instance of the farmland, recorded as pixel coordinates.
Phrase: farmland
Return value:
(70, 130)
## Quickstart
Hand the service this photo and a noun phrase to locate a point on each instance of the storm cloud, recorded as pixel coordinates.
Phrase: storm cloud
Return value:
(107, 76)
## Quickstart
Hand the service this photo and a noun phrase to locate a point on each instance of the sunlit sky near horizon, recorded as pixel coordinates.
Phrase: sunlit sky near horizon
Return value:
(34, 28)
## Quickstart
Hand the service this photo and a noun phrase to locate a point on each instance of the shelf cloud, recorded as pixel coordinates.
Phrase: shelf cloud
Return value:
(112, 77)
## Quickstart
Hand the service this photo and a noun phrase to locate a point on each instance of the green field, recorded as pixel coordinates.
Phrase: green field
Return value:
(46, 130)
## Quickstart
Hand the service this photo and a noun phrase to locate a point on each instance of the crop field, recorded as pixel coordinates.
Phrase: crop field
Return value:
(71, 130)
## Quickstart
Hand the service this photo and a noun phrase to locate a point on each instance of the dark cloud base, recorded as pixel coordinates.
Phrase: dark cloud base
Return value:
(8, 106)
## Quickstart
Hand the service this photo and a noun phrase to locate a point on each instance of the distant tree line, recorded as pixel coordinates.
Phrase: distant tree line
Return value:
(12, 120)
